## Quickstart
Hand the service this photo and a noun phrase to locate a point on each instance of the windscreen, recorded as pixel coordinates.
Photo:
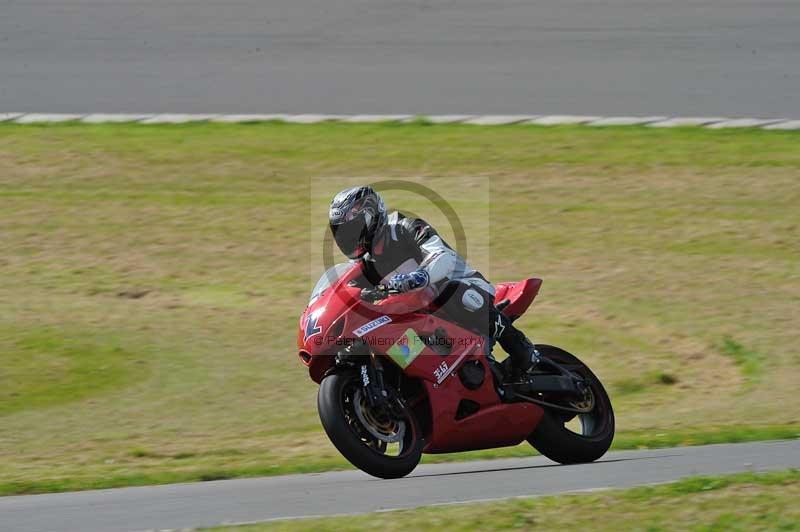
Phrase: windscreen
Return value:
(328, 278)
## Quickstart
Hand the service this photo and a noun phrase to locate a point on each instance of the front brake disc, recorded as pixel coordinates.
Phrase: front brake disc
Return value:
(368, 422)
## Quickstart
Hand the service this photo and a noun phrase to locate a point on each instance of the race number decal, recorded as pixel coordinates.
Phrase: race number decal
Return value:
(441, 372)
(406, 348)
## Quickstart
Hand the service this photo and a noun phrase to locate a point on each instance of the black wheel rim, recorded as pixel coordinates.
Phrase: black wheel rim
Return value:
(594, 423)
(402, 448)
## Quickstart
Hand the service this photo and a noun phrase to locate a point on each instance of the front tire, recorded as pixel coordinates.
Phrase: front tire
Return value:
(555, 440)
(364, 437)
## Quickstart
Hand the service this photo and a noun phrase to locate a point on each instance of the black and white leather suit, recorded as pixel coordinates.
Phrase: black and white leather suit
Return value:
(406, 245)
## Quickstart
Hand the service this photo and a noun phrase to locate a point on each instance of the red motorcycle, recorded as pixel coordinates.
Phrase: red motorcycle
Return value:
(397, 379)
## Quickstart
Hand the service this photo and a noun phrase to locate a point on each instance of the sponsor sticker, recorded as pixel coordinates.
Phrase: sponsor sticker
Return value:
(371, 326)
(406, 348)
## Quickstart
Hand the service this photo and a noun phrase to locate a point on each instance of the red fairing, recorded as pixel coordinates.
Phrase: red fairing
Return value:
(496, 424)
(341, 305)
(521, 295)
(315, 339)
(339, 314)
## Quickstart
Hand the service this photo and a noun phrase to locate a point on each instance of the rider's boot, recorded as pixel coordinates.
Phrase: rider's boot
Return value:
(524, 355)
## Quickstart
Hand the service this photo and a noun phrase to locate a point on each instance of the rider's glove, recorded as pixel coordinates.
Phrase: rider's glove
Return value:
(406, 282)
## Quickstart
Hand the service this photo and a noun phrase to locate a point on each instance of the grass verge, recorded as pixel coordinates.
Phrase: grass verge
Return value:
(152, 277)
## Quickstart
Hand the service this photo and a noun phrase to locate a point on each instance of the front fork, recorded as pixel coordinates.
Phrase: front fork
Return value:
(372, 382)
(380, 396)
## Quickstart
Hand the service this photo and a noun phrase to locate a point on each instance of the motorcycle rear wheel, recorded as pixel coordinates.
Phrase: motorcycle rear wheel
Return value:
(362, 436)
(555, 440)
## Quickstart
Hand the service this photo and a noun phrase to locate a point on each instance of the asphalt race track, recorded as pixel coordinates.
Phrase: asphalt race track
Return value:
(592, 57)
(234, 501)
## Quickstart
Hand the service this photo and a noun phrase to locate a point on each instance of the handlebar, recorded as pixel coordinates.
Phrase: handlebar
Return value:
(378, 293)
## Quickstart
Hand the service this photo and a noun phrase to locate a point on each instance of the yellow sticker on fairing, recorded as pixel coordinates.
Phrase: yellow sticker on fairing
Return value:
(406, 348)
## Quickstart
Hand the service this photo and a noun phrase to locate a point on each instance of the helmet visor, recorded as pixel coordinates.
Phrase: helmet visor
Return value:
(351, 237)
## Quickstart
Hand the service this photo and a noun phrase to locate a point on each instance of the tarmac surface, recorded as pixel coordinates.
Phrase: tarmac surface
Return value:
(583, 57)
(182, 506)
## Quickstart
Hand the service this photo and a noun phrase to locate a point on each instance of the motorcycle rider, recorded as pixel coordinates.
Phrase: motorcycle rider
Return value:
(407, 254)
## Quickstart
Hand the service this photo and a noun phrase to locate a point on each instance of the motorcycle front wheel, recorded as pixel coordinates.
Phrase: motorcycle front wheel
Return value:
(377, 442)
(557, 437)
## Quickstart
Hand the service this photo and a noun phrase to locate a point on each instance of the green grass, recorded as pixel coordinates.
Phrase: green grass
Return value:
(749, 362)
(748, 501)
(152, 277)
(44, 367)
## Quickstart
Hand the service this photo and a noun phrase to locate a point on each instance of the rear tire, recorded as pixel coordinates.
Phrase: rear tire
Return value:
(554, 440)
(335, 403)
